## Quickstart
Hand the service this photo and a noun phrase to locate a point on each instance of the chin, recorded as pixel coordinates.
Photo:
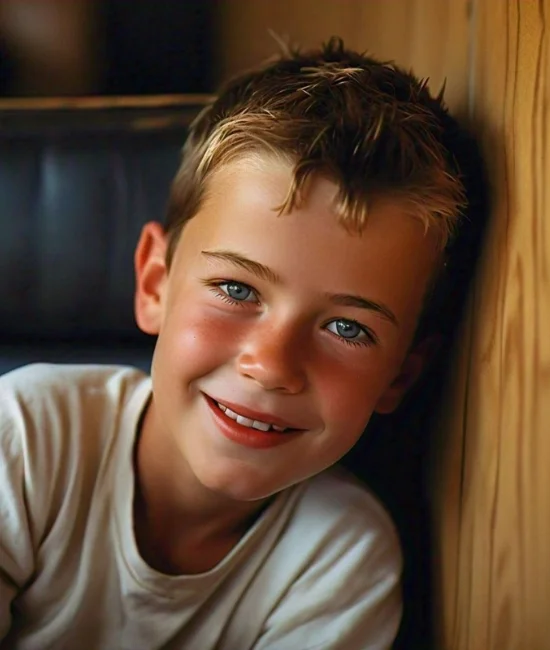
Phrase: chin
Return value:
(238, 483)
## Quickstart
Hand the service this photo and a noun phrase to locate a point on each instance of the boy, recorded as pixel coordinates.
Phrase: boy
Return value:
(199, 508)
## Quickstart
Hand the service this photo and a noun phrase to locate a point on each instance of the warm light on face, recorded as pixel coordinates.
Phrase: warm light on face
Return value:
(286, 316)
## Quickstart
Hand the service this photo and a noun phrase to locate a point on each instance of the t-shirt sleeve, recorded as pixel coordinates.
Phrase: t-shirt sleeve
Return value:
(348, 598)
(16, 550)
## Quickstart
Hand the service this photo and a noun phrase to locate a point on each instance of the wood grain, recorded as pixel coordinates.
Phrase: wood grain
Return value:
(431, 36)
(494, 530)
(246, 28)
(101, 102)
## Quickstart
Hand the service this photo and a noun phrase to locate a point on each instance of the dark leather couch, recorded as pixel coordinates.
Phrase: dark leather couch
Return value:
(78, 179)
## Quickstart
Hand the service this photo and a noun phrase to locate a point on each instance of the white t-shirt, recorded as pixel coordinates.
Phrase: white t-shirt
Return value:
(319, 569)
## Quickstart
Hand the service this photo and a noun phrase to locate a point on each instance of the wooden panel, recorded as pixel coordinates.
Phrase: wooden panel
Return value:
(431, 36)
(494, 479)
(244, 28)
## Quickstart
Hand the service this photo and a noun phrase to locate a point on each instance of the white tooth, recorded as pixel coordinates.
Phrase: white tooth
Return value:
(262, 426)
(247, 422)
(244, 421)
(231, 414)
(278, 428)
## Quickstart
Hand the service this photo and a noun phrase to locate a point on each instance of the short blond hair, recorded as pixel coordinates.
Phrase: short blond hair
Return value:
(370, 126)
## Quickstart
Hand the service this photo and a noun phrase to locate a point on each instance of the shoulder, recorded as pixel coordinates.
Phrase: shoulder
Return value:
(338, 533)
(50, 410)
(337, 505)
(56, 424)
(45, 405)
(58, 396)
(41, 381)
(343, 556)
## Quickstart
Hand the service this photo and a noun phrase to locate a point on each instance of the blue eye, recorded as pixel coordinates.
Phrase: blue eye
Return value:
(351, 332)
(238, 292)
(347, 329)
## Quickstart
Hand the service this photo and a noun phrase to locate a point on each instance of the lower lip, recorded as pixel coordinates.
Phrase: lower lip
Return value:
(247, 436)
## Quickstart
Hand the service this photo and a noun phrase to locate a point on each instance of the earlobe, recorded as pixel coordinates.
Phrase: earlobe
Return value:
(151, 274)
(411, 370)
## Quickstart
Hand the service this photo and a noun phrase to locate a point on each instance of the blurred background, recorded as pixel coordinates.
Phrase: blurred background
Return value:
(110, 47)
(105, 47)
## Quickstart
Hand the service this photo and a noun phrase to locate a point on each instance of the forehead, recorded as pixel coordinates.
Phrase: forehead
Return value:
(391, 259)
(261, 176)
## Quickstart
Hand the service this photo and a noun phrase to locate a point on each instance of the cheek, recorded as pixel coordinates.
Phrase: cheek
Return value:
(199, 339)
(346, 397)
(348, 393)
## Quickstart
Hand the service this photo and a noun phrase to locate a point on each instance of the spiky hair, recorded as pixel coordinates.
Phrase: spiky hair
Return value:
(371, 127)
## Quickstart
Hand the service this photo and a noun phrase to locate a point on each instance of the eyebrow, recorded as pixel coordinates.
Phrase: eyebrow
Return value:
(265, 273)
(346, 300)
(260, 270)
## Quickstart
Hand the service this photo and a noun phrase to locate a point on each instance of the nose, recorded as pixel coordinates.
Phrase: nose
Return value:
(274, 358)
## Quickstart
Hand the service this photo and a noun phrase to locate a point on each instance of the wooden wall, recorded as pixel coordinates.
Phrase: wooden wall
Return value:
(494, 517)
(429, 35)
(491, 481)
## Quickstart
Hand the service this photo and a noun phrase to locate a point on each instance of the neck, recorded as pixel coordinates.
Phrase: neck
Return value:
(174, 511)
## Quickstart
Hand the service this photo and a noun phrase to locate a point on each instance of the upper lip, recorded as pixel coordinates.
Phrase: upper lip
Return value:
(251, 414)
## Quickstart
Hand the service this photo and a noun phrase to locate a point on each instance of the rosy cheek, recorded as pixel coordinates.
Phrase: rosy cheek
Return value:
(205, 336)
(347, 393)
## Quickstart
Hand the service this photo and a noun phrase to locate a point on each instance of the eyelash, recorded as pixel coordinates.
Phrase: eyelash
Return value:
(371, 339)
(215, 287)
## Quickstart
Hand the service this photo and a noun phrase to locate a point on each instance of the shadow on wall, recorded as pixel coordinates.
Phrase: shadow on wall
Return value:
(394, 456)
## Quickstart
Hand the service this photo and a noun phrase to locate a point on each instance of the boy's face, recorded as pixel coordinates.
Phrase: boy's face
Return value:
(287, 320)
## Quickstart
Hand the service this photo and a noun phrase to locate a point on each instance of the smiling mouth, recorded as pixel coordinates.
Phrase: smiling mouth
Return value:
(249, 430)
(248, 422)
(248, 418)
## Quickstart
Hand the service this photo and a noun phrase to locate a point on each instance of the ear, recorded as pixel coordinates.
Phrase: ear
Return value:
(151, 275)
(415, 363)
